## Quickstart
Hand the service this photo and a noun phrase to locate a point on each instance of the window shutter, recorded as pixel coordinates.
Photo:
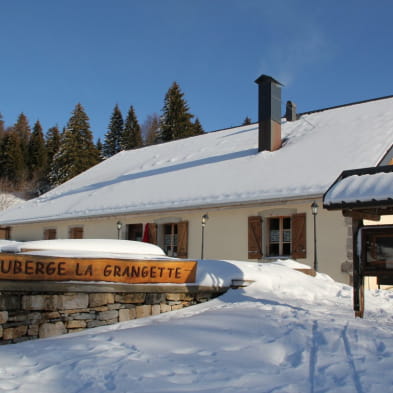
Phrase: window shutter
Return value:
(299, 236)
(182, 239)
(50, 234)
(5, 233)
(76, 233)
(152, 233)
(255, 237)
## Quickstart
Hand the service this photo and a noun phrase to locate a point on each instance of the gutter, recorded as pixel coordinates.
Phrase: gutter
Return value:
(212, 206)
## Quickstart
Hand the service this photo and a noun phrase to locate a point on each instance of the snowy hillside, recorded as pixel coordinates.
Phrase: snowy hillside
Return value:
(285, 333)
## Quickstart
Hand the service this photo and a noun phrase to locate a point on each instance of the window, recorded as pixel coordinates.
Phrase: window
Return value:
(280, 236)
(50, 233)
(135, 232)
(174, 239)
(170, 239)
(76, 233)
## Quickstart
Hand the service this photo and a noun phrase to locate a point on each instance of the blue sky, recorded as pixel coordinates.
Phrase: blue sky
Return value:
(55, 54)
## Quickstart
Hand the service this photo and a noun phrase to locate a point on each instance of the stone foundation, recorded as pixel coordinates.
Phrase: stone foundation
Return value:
(27, 314)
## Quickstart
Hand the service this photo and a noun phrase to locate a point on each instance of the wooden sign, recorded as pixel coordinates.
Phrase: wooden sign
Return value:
(130, 271)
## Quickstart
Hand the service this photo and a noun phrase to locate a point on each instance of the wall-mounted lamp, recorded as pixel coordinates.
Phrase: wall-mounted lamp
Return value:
(314, 210)
(205, 217)
(119, 226)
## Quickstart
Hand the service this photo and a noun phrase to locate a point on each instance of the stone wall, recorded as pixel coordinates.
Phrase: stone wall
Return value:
(27, 314)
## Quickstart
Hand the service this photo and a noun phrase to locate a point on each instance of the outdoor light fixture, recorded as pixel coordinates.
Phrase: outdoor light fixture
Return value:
(205, 217)
(119, 226)
(314, 210)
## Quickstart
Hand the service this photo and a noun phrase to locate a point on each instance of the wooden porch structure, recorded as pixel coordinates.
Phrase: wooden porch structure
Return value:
(366, 194)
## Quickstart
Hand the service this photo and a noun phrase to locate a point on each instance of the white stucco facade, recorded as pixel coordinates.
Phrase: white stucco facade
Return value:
(226, 232)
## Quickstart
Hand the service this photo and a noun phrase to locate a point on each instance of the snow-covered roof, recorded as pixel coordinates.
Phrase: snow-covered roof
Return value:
(8, 200)
(223, 167)
(361, 188)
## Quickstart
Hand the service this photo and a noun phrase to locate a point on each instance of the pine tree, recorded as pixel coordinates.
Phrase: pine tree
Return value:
(99, 148)
(198, 130)
(11, 159)
(176, 120)
(53, 138)
(132, 135)
(246, 121)
(23, 131)
(77, 151)
(112, 142)
(151, 129)
(52, 143)
(2, 128)
(37, 155)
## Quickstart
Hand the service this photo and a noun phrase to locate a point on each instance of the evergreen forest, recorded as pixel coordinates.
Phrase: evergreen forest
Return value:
(33, 161)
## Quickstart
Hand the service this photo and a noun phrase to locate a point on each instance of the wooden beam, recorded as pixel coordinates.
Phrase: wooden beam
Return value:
(361, 215)
(358, 279)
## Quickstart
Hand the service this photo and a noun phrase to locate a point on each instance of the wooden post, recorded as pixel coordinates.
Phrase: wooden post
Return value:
(358, 279)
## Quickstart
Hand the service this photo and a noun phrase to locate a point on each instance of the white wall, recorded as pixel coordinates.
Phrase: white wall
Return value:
(226, 232)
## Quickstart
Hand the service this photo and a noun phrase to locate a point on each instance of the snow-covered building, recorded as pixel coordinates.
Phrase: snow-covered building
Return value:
(255, 182)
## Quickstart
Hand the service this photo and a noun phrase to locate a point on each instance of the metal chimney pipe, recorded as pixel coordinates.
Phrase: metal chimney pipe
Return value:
(269, 113)
(290, 112)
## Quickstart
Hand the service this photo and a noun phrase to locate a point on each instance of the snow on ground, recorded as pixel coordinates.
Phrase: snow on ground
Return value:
(285, 333)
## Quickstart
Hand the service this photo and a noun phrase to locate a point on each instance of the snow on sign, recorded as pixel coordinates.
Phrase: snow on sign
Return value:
(122, 261)
(130, 271)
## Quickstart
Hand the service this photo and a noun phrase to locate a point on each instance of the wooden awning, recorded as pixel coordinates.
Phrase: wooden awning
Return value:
(362, 193)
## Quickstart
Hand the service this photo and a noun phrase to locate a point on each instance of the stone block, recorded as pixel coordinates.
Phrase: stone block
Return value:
(177, 307)
(10, 302)
(155, 309)
(126, 314)
(101, 299)
(100, 308)
(70, 312)
(135, 298)
(40, 302)
(73, 301)
(14, 332)
(93, 324)
(174, 296)
(52, 329)
(155, 298)
(76, 324)
(33, 330)
(52, 315)
(143, 311)
(34, 317)
(1, 331)
(3, 316)
(106, 315)
(18, 317)
(114, 306)
(84, 315)
(76, 330)
(165, 307)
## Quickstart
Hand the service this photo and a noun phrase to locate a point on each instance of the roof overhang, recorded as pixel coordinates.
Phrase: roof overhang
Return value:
(361, 203)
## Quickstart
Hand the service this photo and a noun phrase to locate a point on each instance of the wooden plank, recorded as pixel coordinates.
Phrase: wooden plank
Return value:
(359, 215)
(130, 271)
(358, 279)
(255, 237)
(299, 238)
